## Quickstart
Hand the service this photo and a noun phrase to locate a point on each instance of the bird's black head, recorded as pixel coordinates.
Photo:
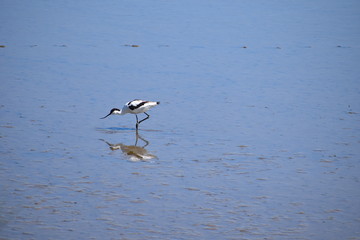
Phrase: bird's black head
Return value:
(114, 110)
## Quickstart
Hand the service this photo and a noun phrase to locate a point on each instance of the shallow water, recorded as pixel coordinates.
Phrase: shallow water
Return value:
(256, 136)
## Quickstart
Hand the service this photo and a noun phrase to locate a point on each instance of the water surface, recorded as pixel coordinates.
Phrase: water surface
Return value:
(256, 136)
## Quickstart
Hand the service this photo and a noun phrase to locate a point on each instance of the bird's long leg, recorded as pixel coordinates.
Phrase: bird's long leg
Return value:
(137, 122)
(145, 118)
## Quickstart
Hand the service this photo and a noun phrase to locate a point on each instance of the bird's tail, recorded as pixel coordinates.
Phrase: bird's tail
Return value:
(153, 104)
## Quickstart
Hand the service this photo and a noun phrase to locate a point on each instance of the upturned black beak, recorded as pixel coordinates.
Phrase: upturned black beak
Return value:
(106, 115)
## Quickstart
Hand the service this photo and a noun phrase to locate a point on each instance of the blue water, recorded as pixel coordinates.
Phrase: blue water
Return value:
(256, 136)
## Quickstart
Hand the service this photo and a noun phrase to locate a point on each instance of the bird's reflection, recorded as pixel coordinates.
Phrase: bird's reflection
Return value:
(133, 152)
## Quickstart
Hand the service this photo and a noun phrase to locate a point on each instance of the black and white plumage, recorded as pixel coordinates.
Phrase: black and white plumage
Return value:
(134, 107)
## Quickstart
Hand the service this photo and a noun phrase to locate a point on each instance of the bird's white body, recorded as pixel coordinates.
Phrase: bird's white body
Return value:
(134, 107)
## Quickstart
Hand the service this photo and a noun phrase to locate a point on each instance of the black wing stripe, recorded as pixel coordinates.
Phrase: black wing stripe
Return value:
(133, 107)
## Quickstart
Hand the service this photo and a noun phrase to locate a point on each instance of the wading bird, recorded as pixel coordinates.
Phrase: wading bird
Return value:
(135, 107)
